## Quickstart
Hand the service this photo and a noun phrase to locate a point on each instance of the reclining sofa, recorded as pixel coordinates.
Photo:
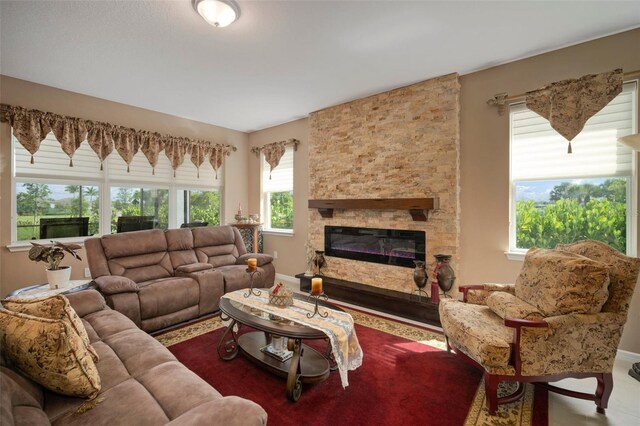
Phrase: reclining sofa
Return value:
(142, 383)
(160, 278)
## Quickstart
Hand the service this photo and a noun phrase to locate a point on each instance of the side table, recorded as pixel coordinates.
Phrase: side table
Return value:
(251, 235)
(43, 290)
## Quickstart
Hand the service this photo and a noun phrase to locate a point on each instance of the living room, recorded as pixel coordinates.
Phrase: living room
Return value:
(432, 136)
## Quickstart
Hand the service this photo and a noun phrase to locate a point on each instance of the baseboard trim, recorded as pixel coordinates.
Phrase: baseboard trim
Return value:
(628, 356)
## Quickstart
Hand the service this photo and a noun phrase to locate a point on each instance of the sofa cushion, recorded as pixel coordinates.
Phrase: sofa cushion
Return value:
(142, 267)
(217, 245)
(17, 406)
(560, 283)
(53, 307)
(623, 271)
(506, 305)
(132, 243)
(165, 296)
(180, 246)
(477, 331)
(50, 352)
(179, 239)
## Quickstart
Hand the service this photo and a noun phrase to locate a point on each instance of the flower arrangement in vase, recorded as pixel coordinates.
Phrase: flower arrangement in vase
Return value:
(57, 276)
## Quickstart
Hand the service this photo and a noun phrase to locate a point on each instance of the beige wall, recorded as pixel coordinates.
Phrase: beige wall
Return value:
(291, 256)
(485, 153)
(16, 270)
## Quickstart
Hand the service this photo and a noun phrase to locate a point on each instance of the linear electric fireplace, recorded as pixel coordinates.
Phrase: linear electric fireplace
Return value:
(386, 246)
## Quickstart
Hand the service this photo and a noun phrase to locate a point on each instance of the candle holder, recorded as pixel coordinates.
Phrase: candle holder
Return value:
(251, 289)
(316, 297)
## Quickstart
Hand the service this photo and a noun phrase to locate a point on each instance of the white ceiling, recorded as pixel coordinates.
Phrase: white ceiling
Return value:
(282, 59)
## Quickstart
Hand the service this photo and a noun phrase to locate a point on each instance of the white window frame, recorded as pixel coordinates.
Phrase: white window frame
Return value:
(104, 184)
(265, 201)
(518, 254)
(195, 188)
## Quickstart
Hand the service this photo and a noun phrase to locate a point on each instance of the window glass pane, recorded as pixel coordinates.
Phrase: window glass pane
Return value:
(46, 211)
(280, 210)
(198, 206)
(551, 212)
(139, 208)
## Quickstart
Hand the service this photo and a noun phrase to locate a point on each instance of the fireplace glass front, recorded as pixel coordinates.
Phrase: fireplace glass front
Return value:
(386, 246)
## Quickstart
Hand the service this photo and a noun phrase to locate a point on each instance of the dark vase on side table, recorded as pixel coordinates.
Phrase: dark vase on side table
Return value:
(420, 278)
(443, 277)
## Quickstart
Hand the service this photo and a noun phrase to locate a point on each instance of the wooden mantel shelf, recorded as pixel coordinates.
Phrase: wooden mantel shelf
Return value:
(418, 207)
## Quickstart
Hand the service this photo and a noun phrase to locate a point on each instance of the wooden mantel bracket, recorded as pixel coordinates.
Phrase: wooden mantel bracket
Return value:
(418, 207)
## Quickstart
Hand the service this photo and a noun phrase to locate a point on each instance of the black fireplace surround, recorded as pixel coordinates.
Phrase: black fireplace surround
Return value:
(386, 246)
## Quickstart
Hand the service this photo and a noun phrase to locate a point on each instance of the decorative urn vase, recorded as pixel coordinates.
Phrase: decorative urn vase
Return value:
(444, 273)
(319, 261)
(420, 274)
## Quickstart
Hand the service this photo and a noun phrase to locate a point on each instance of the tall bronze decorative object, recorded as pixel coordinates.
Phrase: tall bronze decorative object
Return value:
(319, 261)
(443, 277)
(420, 278)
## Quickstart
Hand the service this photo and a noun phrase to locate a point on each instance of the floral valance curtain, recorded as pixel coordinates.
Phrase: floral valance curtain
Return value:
(274, 151)
(568, 104)
(30, 127)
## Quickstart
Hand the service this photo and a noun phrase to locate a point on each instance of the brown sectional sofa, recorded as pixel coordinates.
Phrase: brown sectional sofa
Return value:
(160, 278)
(142, 383)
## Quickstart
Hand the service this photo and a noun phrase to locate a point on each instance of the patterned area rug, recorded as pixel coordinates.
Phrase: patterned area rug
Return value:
(520, 412)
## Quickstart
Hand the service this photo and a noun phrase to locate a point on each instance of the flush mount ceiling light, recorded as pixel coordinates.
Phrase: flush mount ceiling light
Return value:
(219, 13)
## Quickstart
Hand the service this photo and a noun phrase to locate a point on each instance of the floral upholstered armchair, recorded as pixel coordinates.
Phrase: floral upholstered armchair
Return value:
(562, 318)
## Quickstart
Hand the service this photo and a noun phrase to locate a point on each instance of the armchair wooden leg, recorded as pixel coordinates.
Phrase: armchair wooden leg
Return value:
(446, 340)
(491, 383)
(603, 391)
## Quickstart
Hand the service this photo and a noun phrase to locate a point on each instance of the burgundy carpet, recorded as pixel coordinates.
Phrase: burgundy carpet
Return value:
(401, 382)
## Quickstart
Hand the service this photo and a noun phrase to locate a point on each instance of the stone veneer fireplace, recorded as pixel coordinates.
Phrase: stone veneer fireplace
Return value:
(399, 144)
(384, 246)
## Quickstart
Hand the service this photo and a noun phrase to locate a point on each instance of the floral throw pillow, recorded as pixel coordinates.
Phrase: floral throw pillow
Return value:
(559, 283)
(50, 352)
(506, 305)
(54, 307)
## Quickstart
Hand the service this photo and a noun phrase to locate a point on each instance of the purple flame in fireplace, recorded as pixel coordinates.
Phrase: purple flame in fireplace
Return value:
(386, 246)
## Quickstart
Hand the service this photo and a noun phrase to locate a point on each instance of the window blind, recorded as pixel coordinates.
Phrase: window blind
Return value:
(282, 176)
(539, 152)
(51, 162)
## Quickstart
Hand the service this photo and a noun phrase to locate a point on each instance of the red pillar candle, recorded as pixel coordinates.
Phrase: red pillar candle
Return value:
(316, 286)
(252, 264)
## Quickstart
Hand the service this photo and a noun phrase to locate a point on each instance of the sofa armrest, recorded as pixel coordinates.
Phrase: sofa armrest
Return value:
(193, 267)
(113, 284)
(574, 342)
(86, 302)
(477, 294)
(262, 258)
(227, 411)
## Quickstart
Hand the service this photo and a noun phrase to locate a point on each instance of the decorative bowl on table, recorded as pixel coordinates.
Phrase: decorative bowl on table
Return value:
(280, 296)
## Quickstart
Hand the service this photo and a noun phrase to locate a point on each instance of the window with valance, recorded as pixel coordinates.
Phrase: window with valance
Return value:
(102, 173)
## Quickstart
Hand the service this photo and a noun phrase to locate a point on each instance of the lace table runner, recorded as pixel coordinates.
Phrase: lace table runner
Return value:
(338, 327)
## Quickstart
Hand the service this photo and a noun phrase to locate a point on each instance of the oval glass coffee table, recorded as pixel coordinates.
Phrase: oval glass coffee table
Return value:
(305, 364)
